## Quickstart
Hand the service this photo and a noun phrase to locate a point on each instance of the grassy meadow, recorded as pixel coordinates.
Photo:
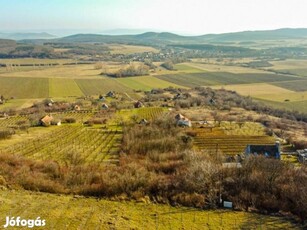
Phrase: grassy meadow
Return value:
(69, 212)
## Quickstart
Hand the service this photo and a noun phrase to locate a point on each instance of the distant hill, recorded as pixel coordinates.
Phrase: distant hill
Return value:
(169, 38)
(7, 43)
(23, 36)
(244, 36)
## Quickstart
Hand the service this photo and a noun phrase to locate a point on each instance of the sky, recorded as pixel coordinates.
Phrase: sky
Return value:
(188, 17)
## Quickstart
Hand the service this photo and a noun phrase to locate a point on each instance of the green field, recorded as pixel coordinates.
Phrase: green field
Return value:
(24, 87)
(69, 212)
(63, 88)
(145, 83)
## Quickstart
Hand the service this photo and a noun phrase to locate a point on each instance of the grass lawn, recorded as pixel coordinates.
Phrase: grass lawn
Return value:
(68, 212)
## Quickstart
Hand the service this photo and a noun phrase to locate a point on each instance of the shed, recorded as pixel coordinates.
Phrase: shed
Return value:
(46, 120)
(183, 121)
(269, 151)
(77, 108)
(143, 122)
(302, 155)
(138, 104)
(104, 106)
(111, 94)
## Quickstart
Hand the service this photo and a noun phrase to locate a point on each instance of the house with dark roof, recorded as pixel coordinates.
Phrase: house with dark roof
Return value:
(111, 94)
(269, 151)
(183, 121)
(138, 104)
(104, 106)
(302, 156)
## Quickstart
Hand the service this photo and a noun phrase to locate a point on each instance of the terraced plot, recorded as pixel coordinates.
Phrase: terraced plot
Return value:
(230, 141)
(68, 212)
(79, 116)
(149, 113)
(71, 144)
(12, 121)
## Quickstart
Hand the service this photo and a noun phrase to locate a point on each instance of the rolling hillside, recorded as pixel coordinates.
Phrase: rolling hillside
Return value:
(169, 38)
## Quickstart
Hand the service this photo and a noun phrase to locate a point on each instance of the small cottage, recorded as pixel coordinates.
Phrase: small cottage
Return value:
(111, 94)
(77, 108)
(102, 98)
(46, 120)
(183, 121)
(104, 106)
(302, 156)
(143, 122)
(138, 104)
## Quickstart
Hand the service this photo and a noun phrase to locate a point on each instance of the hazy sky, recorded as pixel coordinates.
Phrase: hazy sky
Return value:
(183, 16)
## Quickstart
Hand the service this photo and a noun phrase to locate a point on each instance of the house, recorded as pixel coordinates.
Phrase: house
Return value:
(212, 101)
(179, 116)
(77, 108)
(143, 122)
(102, 98)
(111, 94)
(104, 106)
(46, 120)
(183, 121)
(302, 155)
(269, 151)
(138, 104)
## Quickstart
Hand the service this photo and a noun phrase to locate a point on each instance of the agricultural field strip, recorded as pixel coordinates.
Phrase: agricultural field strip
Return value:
(90, 143)
(63, 88)
(101, 86)
(24, 87)
(145, 83)
(224, 68)
(298, 86)
(67, 212)
(221, 78)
